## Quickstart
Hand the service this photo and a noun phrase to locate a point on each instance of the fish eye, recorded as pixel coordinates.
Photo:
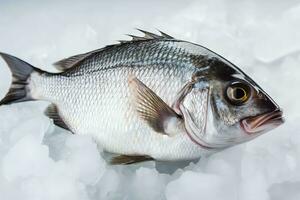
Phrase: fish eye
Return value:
(238, 93)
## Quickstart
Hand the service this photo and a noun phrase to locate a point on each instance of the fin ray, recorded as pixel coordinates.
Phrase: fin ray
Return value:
(52, 113)
(164, 35)
(70, 62)
(129, 159)
(21, 71)
(151, 107)
(149, 35)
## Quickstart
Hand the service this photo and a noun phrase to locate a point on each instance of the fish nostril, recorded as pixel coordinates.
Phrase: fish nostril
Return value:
(260, 95)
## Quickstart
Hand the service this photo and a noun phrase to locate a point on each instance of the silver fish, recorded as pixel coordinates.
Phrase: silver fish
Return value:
(154, 97)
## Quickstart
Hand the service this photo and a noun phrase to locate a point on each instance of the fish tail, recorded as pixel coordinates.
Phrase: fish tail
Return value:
(21, 72)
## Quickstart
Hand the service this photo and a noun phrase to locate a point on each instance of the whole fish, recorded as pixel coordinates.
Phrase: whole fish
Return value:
(151, 98)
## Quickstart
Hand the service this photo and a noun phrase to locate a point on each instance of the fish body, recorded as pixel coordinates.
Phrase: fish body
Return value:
(95, 98)
(153, 97)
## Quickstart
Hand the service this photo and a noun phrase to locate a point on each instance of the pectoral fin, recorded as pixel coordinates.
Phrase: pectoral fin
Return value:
(151, 107)
(126, 160)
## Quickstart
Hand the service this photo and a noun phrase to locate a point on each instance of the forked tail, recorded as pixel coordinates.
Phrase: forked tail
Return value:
(21, 71)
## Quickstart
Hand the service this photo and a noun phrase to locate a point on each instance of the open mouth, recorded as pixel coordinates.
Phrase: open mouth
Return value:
(263, 122)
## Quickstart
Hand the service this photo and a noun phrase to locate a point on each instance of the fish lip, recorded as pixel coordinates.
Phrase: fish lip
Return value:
(263, 122)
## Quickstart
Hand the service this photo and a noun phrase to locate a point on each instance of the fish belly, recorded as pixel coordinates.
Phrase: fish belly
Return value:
(100, 104)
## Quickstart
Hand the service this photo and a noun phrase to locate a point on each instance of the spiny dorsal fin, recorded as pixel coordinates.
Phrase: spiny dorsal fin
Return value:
(149, 35)
(136, 38)
(151, 107)
(127, 160)
(164, 35)
(52, 113)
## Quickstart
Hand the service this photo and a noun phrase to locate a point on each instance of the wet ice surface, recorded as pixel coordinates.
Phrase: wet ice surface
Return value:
(41, 161)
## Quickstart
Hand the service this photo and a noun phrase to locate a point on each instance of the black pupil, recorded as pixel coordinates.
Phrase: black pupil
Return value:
(239, 93)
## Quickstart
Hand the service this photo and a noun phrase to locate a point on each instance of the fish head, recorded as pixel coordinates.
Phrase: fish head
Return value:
(240, 109)
(225, 107)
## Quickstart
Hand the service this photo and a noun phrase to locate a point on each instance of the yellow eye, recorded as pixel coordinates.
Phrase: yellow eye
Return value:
(238, 93)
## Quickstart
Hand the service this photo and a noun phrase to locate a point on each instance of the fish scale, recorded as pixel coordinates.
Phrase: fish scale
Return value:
(105, 110)
(154, 97)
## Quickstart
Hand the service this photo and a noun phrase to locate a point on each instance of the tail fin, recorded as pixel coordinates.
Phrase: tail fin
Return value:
(21, 72)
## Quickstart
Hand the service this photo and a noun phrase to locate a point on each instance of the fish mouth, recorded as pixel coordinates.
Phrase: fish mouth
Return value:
(262, 123)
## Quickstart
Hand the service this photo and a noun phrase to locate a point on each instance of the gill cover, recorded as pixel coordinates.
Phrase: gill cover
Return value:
(194, 107)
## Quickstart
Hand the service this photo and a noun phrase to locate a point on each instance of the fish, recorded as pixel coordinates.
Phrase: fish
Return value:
(153, 97)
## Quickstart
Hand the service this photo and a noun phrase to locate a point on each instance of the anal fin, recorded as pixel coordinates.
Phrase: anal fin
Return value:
(52, 113)
(127, 160)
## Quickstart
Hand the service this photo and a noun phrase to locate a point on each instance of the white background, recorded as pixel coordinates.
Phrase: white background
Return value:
(41, 161)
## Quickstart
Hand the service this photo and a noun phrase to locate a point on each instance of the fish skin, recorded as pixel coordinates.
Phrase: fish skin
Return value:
(92, 96)
(88, 96)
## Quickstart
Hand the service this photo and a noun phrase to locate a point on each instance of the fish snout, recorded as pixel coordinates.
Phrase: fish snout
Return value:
(263, 122)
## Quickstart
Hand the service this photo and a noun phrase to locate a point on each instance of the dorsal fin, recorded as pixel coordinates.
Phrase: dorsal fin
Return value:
(67, 63)
(135, 38)
(70, 62)
(149, 35)
(52, 113)
(164, 35)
